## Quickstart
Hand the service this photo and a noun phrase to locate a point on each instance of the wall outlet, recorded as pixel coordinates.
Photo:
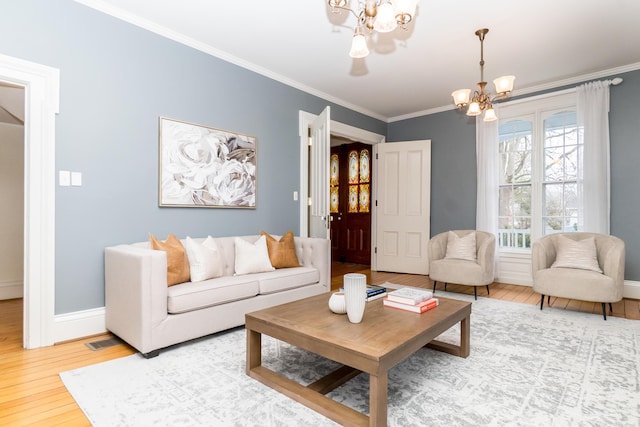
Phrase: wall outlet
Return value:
(76, 179)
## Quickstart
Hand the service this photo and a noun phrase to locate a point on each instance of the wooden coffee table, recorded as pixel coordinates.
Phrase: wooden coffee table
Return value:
(385, 337)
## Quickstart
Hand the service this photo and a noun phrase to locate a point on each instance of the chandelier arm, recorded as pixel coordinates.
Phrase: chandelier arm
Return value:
(358, 17)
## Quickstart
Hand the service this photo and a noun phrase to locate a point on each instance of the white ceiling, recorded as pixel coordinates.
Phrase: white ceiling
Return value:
(544, 43)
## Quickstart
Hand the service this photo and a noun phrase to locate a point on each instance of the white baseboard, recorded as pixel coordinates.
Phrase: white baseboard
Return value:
(631, 289)
(11, 290)
(79, 324)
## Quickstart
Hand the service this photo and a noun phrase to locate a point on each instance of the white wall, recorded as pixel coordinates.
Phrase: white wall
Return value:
(11, 210)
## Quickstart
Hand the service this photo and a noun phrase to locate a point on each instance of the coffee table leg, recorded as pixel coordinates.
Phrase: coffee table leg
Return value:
(378, 386)
(254, 349)
(465, 333)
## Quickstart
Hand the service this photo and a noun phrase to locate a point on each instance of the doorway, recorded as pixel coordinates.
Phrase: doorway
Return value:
(41, 84)
(350, 184)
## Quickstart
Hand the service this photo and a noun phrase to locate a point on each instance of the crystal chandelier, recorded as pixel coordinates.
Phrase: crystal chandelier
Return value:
(382, 16)
(482, 101)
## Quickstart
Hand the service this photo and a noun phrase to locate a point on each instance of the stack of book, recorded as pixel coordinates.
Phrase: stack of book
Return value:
(373, 292)
(411, 299)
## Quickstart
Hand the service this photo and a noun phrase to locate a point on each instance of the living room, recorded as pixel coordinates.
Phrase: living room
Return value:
(116, 79)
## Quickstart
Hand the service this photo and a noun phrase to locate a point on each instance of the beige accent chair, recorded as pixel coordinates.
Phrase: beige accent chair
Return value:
(479, 272)
(578, 283)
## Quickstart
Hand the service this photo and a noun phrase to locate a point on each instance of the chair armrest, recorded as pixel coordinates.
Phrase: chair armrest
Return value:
(486, 255)
(613, 261)
(438, 246)
(543, 253)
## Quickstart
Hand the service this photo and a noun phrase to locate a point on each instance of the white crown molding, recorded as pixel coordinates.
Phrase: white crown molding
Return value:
(533, 89)
(210, 50)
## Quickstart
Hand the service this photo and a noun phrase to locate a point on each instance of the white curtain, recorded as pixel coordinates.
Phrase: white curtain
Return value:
(487, 166)
(593, 116)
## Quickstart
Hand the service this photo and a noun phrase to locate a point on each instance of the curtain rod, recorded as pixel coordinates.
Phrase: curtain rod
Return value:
(615, 81)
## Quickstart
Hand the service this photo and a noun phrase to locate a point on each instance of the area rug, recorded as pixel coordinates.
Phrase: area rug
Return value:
(527, 368)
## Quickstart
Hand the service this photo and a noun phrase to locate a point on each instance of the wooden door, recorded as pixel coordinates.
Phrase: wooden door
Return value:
(350, 194)
(403, 208)
(319, 175)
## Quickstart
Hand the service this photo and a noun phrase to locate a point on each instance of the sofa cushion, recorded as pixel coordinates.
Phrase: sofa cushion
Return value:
(192, 296)
(282, 253)
(252, 257)
(461, 247)
(281, 280)
(204, 259)
(177, 261)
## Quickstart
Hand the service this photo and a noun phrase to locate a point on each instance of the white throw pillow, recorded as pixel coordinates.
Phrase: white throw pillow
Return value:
(461, 247)
(581, 254)
(252, 257)
(204, 259)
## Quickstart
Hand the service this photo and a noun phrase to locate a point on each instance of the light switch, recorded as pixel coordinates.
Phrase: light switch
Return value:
(295, 196)
(64, 178)
(76, 179)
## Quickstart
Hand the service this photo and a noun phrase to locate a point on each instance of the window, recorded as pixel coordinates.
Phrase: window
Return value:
(540, 168)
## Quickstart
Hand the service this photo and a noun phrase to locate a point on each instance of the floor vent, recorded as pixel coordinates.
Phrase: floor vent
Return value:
(99, 345)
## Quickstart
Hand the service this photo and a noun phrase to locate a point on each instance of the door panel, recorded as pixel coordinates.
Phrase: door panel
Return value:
(319, 175)
(403, 216)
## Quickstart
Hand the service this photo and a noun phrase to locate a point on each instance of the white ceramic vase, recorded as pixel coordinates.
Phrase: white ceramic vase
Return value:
(337, 303)
(355, 294)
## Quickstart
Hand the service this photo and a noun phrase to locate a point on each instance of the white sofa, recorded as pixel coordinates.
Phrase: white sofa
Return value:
(149, 315)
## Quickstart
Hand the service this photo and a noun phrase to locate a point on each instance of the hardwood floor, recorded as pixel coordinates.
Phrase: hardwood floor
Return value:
(31, 392)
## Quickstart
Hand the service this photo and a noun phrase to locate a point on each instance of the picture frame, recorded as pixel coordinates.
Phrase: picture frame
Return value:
(205, 167)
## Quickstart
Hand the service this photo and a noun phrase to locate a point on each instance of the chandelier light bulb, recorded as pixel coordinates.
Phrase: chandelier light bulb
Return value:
(490, 114)
(504, 84)
(461, 97)
(474, 109)
(385, 18)
(359, 47)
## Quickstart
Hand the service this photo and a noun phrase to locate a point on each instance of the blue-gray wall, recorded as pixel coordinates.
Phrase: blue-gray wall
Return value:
(116, 80)
(453, 170)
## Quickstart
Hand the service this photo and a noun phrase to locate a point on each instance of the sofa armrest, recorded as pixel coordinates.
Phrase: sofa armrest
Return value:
(315, 252)
(135, 293)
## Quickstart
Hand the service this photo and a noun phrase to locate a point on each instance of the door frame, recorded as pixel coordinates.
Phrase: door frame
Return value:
(42, 90)
(345, 131)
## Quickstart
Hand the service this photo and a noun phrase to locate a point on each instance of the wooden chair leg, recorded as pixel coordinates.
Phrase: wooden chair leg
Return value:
(541, 301)
(610, 308)
(475, 292)
(604, 311)
(445, 286)
(487, 289)
(434, 286)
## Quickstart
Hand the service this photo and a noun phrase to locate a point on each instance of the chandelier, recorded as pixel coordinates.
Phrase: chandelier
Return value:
(482, 101)
(382, 16)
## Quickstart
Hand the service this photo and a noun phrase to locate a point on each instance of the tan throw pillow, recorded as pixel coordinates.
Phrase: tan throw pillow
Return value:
(282, 253)
(461, 247)
(581, 254)
(177, 261)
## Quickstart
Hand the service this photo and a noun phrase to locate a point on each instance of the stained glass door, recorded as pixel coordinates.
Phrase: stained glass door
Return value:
(350, 194)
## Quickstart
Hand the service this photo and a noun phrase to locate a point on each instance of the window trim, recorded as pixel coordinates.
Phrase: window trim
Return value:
(538, 107)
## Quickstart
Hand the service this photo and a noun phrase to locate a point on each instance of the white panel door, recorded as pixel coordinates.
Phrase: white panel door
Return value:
(403, 206)
(319, 175)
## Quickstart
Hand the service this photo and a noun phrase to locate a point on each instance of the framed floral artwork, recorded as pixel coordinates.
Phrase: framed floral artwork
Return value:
(205, 167)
